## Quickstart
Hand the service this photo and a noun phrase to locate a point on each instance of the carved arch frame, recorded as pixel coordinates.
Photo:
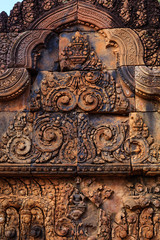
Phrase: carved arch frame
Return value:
(128, 48)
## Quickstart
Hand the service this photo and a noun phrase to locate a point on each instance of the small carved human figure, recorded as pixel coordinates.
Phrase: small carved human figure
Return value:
(25, 224)
(12, 223)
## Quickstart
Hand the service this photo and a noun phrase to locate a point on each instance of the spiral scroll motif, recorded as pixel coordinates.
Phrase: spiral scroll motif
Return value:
(47, 137)
(89, 100)
(139, 149)
(63, 227)
(63, 100)
(109, 138)
(19, 148)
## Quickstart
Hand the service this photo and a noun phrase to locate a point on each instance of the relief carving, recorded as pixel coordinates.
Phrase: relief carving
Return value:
(141, 208)
(143, 80)
(82, 208)
(74, 219)
(142, 146)
(150, 42)
(90, 87)
(104, 143)
(23, 216)
(147, 81)
(13, 83)
(129, 48)
(81, 140)
(29, 140)
(25, 14)
(78, 162)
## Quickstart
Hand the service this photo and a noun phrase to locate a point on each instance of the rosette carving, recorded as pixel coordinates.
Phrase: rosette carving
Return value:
(139, 149)
(17, 141)
(110, 143)
(91, 91)
(13, 82)
(99, 143)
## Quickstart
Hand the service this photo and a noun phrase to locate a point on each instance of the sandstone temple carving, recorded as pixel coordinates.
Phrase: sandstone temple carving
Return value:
(80, 120)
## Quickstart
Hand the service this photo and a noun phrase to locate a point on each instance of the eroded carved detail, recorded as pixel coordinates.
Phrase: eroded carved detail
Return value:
(136, 15)
(142, 146)
(13, 82)
(150, 40)
(80, 140)
(140, 212)
(91, 88)
(40, 138)
(74, 206)
(84, 208)
(27, 212)
(103, 143)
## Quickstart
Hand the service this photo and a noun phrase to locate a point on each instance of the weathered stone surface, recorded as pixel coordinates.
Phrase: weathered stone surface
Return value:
(102, 145)
(145, 142)
(143, 80)
(59, 132)
(146, 105)
(80, 120)
(21, 51)
(127, 46)
(97, 42)
(126, 13)
(147, 81)
(13, 82)
(20, 102)
(150, 40)
(81, 207)
(90, 91)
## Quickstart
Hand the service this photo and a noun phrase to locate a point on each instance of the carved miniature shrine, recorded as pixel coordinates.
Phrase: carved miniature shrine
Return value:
(80, 120)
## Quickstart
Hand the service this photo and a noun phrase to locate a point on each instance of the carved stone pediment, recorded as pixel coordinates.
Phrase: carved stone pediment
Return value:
(63, 129)
(80, 120)
(87, 85)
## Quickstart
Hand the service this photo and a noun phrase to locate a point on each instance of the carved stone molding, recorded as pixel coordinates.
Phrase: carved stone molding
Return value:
(148, 81)
(125, 43)
(77, 11)
(83, 83)
(134, 15)
(128, 48)
(145, 80)
(13, 82)
(83, 143)
(20, 51)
